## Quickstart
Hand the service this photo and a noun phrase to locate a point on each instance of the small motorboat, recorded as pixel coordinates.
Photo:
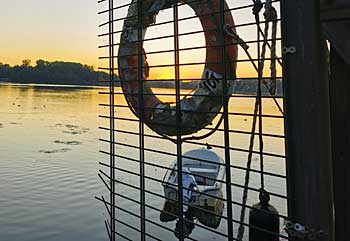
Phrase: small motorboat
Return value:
(206, 205)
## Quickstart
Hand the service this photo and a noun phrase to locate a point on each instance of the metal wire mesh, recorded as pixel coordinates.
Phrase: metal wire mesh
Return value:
(248, 132)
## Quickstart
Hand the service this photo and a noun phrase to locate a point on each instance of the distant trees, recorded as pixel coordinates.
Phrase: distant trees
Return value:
(45, 72)
(68, 73)
(26, 62)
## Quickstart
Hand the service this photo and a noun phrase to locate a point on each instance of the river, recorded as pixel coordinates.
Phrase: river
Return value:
(49, 156)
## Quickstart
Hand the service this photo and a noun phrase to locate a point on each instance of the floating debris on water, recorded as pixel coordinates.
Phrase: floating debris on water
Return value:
(72, 126)
(71, 143)
(15, 123)
(72, 129)
(75, 132)
(55, 151)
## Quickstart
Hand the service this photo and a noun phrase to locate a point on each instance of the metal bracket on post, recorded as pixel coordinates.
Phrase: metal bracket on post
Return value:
(296, 230)
(289, 50)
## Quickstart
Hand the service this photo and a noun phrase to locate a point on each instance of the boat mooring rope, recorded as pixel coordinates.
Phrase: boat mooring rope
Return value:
(270, 15)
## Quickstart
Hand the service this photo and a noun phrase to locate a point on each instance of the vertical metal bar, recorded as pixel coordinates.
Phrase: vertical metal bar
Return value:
(178, 118)
(340, 113)
(111, 102)
(308, 139)
(225, 102)
(141, 125)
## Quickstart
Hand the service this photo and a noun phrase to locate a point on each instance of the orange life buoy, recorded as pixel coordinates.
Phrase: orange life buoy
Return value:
(201, 107)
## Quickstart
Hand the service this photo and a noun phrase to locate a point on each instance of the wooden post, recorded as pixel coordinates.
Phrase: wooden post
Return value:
(340, 114)
(307, 109)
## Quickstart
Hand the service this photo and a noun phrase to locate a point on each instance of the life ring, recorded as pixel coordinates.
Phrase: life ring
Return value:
(199, 109)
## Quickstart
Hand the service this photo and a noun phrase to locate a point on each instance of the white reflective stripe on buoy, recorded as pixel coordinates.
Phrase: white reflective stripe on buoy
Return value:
(212, 81)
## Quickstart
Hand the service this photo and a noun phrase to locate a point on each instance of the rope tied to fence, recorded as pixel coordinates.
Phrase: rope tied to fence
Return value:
(270, 15)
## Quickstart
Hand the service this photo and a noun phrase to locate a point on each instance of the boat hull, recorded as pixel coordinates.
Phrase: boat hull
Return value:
(208, 211)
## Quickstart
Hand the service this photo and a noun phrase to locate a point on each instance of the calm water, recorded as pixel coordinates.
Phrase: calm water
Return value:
(49, 156)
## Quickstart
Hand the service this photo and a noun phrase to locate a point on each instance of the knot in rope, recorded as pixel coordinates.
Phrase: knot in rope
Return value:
(228, 30)
(270, 13)
(258, 5)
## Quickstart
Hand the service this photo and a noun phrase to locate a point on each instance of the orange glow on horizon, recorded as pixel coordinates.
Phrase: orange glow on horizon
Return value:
(70, 35)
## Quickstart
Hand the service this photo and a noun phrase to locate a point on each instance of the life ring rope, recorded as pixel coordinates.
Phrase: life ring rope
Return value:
(199, 109)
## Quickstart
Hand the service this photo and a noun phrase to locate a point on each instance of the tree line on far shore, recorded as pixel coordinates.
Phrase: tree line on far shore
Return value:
(69, 73)
(57, 72)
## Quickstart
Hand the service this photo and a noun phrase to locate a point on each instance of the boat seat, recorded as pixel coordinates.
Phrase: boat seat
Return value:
(205, 175)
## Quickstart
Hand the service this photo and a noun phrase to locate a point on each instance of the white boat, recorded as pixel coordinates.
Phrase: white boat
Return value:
(208, 170)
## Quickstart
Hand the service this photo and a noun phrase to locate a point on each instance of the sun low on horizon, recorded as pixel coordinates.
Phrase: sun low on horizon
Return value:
(68, 31)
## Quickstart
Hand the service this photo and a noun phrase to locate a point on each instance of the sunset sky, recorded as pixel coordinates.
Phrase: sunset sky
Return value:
(49, 29)
(67, 30)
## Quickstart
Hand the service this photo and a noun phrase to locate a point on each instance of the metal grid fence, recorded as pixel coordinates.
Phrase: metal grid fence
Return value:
(248, 132)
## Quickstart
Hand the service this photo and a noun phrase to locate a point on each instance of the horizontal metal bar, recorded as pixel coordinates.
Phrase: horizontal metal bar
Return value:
(194, 111)
(158, 210)
(130, 226)
(236, 96)
(108, 227)
(121, 235)
(181, 64)
(186, 49)
(194, 174)
(197, 143)
(161, 196)
(189, 111)
(235, 221)
(148, 220)
(186, 18)
(129, 4)
(174, 185)
(279, 78)
(218, 146)
(206, 161)
(223, 147)
(185, 34)
(218, 129)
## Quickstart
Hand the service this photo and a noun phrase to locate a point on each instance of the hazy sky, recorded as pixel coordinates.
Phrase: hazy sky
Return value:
(67, 30)
(49, 29)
